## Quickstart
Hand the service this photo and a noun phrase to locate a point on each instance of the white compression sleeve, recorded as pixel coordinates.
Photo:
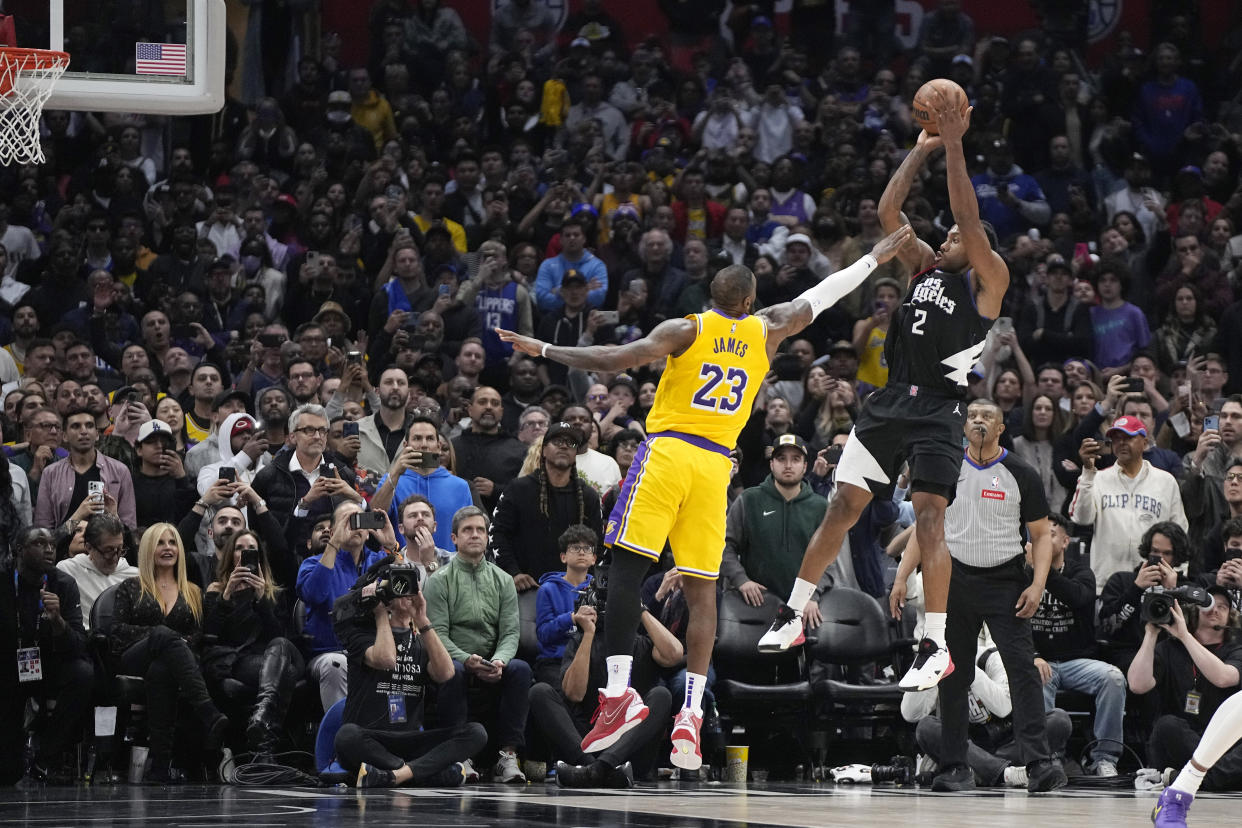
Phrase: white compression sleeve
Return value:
(836, 287)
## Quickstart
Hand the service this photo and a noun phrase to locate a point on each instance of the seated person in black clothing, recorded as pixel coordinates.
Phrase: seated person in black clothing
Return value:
(51, 656)
(162, 489)
(155, 624)
(394, 654)
(1120, 621)
(226, 521)
(564, 714)
(1229, 574)
(537, 508)
(1192, 671)
(247, 613)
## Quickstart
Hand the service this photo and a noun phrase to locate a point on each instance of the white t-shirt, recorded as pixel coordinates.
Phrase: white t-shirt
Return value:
(600, 470)
(91, 582)
(21, 244)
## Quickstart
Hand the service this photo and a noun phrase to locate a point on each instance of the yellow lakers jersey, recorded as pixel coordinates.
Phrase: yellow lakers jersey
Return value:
(708, 391)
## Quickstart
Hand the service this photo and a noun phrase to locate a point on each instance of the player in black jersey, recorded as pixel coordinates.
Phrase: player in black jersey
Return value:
(936, 338)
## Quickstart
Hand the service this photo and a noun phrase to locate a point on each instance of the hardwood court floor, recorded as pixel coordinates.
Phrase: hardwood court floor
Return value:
(541, 806)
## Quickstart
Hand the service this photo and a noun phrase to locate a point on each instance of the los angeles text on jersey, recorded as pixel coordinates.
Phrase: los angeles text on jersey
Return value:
(729, 345)
(1138, 502)
(931, 290)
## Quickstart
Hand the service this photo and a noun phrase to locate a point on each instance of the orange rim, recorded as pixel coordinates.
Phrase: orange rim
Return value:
(14, 60)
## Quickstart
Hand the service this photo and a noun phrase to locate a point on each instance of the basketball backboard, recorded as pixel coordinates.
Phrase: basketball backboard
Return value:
(162, 57)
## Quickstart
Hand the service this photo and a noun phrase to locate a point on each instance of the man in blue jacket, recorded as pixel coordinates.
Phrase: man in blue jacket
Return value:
(556, 616)
(575, 258)
(416, 470)
(325, 577)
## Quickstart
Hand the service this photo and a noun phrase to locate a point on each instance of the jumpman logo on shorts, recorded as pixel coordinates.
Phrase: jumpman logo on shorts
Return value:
(957, 409)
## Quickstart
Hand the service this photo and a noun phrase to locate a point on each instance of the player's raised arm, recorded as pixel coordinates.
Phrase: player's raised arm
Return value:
(987, 264)
(917, 256)
(671, 336)
(787, 318)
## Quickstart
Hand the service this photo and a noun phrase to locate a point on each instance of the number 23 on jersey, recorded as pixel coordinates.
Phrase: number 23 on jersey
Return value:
(722, 390)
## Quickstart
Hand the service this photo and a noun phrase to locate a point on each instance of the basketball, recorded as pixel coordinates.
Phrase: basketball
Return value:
(923, 103)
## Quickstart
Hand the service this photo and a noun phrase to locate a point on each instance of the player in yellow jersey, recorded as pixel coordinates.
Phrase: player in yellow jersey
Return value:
(676, 486)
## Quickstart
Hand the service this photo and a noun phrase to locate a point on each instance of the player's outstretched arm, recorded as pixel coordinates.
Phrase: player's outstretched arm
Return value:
(989, 267)
(787, 318)
(671, 336)
(918, 256)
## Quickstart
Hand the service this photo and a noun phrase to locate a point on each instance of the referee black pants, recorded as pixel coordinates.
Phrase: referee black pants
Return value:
(978, 595)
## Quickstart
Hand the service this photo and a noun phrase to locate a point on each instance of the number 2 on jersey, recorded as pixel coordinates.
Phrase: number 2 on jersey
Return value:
(711, 397)
(920, 316)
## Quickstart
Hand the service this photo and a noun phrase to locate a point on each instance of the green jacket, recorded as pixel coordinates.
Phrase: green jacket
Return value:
(474, 609)
(766, 535)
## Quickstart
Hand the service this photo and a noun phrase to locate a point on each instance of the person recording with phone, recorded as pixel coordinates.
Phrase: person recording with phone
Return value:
(1206, 472)
(1123, 498)
(359, 539)
(159, 465)
(242, 449)
(245, 612)
(416, 470)
(65, 483)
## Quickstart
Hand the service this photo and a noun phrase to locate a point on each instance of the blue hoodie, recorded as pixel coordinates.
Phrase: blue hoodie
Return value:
(554, 609)
(447, 493)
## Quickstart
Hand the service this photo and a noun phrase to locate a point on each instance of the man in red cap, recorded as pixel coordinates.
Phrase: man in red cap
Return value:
(1124, 500)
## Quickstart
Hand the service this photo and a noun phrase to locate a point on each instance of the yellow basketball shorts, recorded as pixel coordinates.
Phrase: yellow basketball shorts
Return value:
(676, 490)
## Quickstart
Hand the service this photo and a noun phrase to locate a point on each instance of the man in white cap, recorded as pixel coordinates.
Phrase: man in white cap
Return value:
(159, 465)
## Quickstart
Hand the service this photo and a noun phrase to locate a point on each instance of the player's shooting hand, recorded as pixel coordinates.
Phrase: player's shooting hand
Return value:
(950, 121)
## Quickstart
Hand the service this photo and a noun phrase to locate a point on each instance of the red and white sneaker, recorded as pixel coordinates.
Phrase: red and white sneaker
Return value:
(686, 753)
(930, 666)
(785, 632)
(615, 716)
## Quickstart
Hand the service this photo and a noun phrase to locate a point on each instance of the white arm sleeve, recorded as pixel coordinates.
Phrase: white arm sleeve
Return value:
(839, 285)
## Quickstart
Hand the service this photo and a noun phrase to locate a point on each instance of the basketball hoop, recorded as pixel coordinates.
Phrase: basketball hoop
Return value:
(27, 77)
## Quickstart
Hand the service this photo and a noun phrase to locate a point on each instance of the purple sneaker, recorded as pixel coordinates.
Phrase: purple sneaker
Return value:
(1170, 811)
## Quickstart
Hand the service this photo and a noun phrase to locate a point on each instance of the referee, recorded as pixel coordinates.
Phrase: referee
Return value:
(997, 493)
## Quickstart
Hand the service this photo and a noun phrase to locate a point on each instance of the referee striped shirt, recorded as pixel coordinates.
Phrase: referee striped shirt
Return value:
(985, 525)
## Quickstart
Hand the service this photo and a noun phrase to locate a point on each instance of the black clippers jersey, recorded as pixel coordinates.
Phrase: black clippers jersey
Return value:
(938, 335)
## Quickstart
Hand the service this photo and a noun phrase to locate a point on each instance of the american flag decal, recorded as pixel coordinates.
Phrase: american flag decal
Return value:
(160, 58)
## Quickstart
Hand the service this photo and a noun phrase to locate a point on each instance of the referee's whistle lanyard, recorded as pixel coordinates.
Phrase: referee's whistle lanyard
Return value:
(18, 595)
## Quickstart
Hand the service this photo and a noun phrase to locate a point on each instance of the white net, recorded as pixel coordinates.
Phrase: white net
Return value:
(27, 77)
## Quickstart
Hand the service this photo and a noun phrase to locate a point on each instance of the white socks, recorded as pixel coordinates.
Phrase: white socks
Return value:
(802, 592)
(618, 674)
(933, 628)
(695, 683)
(1222, 733)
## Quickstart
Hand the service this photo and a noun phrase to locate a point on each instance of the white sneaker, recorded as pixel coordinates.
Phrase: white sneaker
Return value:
(1015, 777)
(785, 632)
(930, 666)
(1105, 767)
(507, 769)
(468, 772)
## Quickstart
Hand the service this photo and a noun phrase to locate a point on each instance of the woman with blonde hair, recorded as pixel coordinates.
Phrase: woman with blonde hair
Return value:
(156, 619)
(243, 611)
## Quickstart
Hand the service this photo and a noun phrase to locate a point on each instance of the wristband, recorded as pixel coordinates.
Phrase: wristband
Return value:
(424, 629)
(544, 351)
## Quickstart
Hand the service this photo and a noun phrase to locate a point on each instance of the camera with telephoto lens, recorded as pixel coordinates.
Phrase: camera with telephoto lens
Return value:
(1157, 605)
(899, 770)
(594, 594)
(394, 578)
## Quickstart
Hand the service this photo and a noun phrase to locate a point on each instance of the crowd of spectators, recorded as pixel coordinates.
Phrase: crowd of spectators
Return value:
(225, 335)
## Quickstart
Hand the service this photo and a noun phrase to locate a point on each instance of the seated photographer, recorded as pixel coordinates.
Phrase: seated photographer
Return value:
(417, 470)
(155, 624)
(1192, 671)
(102, 564)
(246, 612)
(1063, 631)
(1164, 550)
(1229, 573)
(473, 605)
(564, 710)
(537, 508)
(51, 657)
(991, 751)
(352, 549)
(393, 652)
(558, 594)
